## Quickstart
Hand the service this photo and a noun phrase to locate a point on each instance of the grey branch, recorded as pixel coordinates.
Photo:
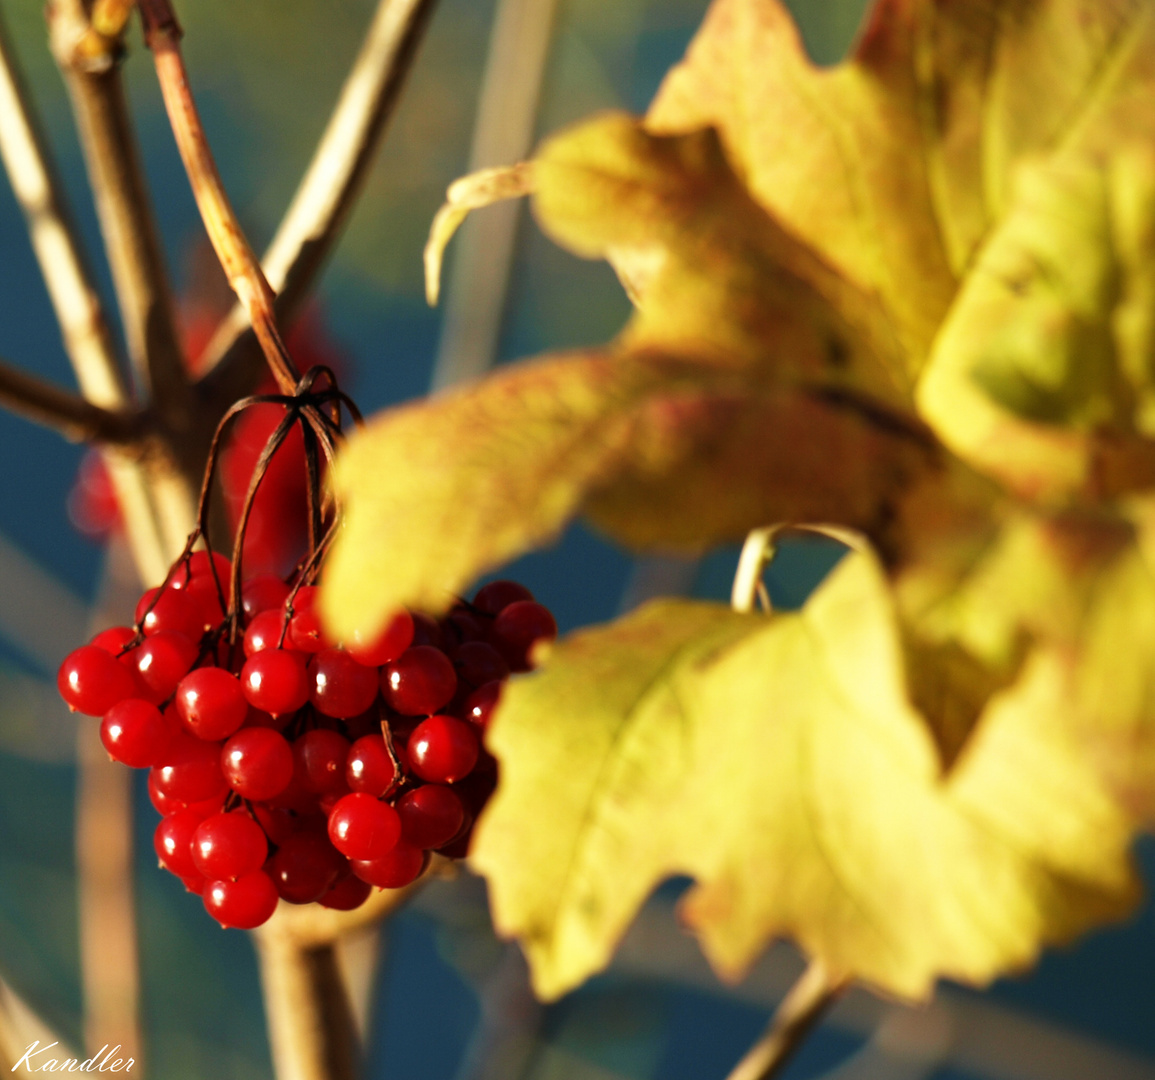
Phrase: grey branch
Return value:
(328, 189)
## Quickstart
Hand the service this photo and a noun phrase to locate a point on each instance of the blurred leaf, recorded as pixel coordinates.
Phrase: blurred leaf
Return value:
(779, 763)
(660, 453)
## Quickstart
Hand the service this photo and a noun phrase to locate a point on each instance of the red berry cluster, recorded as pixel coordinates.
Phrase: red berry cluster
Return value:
(285, 764)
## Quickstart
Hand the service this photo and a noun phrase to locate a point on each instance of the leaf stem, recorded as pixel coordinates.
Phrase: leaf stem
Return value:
(798, 1014)
(329, 187)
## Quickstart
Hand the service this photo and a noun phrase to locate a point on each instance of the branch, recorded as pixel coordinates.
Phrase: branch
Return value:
(68, 413)
(122, 201)
(162, 36)
(329, 187)
(800, 1011)
(75, 301)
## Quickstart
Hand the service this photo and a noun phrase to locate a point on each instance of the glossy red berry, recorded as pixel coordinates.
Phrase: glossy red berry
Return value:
(394, 870)
(431, 815)
(198, 566)
(442, 749)
(419, 682)
(264, 632)
(165, 805)
(305, 867)
(361, 827)
(91, 680)
(115, 639)
(163, 660)
(244, 904)
(265, 592)
(257, 762)
(305, 630)
(208, 602)
(319, 760)
(480, 704)
(191, 770)
(169, 610)
(172, 842)
(275, 681)
(388, 644)
(210, 703)
(135, 733)
(498, 595)
(229, 846)
(369, 767)
(339, 686)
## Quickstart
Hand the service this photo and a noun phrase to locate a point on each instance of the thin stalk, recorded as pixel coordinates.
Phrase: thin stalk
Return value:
(63, 411)
(329, 187)
(502, 135)
(798, 1014)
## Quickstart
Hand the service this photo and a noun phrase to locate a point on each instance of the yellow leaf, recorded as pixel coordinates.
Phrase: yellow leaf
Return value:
(779, 763)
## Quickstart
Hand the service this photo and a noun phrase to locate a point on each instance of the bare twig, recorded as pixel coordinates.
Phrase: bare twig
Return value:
(793, 1020)
(329, 187)
(75, 302)
(66, 412)
(125, 213)
(502, 135)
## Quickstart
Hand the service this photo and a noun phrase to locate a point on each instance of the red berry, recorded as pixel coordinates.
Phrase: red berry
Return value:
(115, 639)
(498, 595)
(135, 733)
(207, 601)
(210, 703)
(229, 846)
(91, 680)
(257, 763)
(305, 630)
(442, 749)
(389, 643)
(305, 867)
(419, 682)
(393, 870)
(166, 806)
(172, 842)
(275, 681)
(190, 770)
(169, 610)
(245, 903)
(194, 884)
(519, 627)
(349, 893)
(369, 767)
(339, 686)
(480, 704)
(319, 760)
(264, 632)
(265, 592)
(163, 660)
(477, 663)
(431, 815)
(361, 827)
(198, 566)
(427, 632)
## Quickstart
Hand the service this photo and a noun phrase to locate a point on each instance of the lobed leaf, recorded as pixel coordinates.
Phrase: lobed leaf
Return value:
(779, 762)
(660, 452)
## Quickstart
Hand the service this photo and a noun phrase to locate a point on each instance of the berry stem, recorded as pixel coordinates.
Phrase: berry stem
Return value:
(795, 1018)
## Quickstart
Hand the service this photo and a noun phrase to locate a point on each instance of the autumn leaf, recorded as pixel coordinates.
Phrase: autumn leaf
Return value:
(448, 489)
(779, 763)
